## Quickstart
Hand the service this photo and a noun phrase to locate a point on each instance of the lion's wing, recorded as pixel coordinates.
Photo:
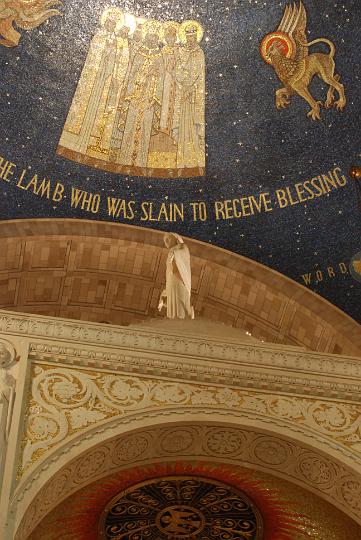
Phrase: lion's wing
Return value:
(299, 33)
(294, 23)
(288, 17)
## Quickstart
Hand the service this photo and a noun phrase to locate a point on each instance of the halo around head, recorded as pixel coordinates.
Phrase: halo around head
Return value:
(113, 13)
(190, 27)
(152, 27)
(170, 26)
(287, 45)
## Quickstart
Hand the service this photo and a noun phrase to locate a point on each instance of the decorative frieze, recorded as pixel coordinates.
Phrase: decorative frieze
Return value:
(262, 355)
(243, 373)
(64, 401)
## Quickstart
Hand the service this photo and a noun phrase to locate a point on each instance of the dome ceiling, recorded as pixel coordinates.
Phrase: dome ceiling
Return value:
(195, 117)
(111, 273)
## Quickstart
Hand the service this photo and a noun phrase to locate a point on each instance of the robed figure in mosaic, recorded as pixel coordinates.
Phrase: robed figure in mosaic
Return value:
(139, 106)
(177, 293)
(189, 124)
(86, 113)
(170, 53)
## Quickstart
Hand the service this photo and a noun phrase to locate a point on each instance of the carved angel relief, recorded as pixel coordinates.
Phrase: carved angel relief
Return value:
(8, 359)
(286, 50)
(25, 14)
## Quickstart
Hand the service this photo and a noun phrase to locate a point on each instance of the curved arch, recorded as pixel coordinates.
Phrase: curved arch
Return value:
(52, 268)
(256, 444)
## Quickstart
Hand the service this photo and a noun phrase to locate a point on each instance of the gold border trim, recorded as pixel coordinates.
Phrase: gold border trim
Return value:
(128, 169)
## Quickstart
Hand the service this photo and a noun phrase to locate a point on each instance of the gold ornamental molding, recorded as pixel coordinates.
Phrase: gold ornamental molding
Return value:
(210, 441)
(65, 402)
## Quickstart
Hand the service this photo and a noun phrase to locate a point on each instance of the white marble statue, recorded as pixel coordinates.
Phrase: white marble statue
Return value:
(7, 398)
(177, 293)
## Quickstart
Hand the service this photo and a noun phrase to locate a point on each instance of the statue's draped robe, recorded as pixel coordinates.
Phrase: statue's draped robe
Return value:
(141, 107)
(189, 124)
(4, 406)
(7, 386)
(178, 283)
(91, 93)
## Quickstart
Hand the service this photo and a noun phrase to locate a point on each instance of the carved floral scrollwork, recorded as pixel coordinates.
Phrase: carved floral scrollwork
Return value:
(90, 465)
(65, 401)
(129, 449)
(351, 493)
(176, 441)
(124, 392)
(332, 417)
(224, 442)
(271, 452)
(316, 470)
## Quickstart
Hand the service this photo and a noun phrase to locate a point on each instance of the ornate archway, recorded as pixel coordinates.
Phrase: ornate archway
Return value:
(221, 452)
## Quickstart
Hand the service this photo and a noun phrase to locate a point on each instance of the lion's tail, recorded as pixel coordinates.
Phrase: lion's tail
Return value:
(322, 40)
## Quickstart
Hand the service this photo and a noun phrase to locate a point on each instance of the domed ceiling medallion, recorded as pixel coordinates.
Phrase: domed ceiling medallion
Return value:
(181, 507)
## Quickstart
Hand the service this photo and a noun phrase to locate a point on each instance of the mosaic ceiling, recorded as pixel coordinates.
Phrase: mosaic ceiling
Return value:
(234, 122)
(195, 500)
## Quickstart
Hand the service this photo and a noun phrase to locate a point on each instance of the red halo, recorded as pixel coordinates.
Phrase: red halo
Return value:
(287, 46)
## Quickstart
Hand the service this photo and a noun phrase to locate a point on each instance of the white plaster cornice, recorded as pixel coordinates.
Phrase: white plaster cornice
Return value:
(157, 352)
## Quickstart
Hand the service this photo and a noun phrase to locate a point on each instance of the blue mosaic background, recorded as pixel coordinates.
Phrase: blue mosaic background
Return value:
(252, 147)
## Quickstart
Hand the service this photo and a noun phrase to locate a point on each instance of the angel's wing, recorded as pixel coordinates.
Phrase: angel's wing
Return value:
(36, 12)
(294, 23)
(30, 22)
(5, 11)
